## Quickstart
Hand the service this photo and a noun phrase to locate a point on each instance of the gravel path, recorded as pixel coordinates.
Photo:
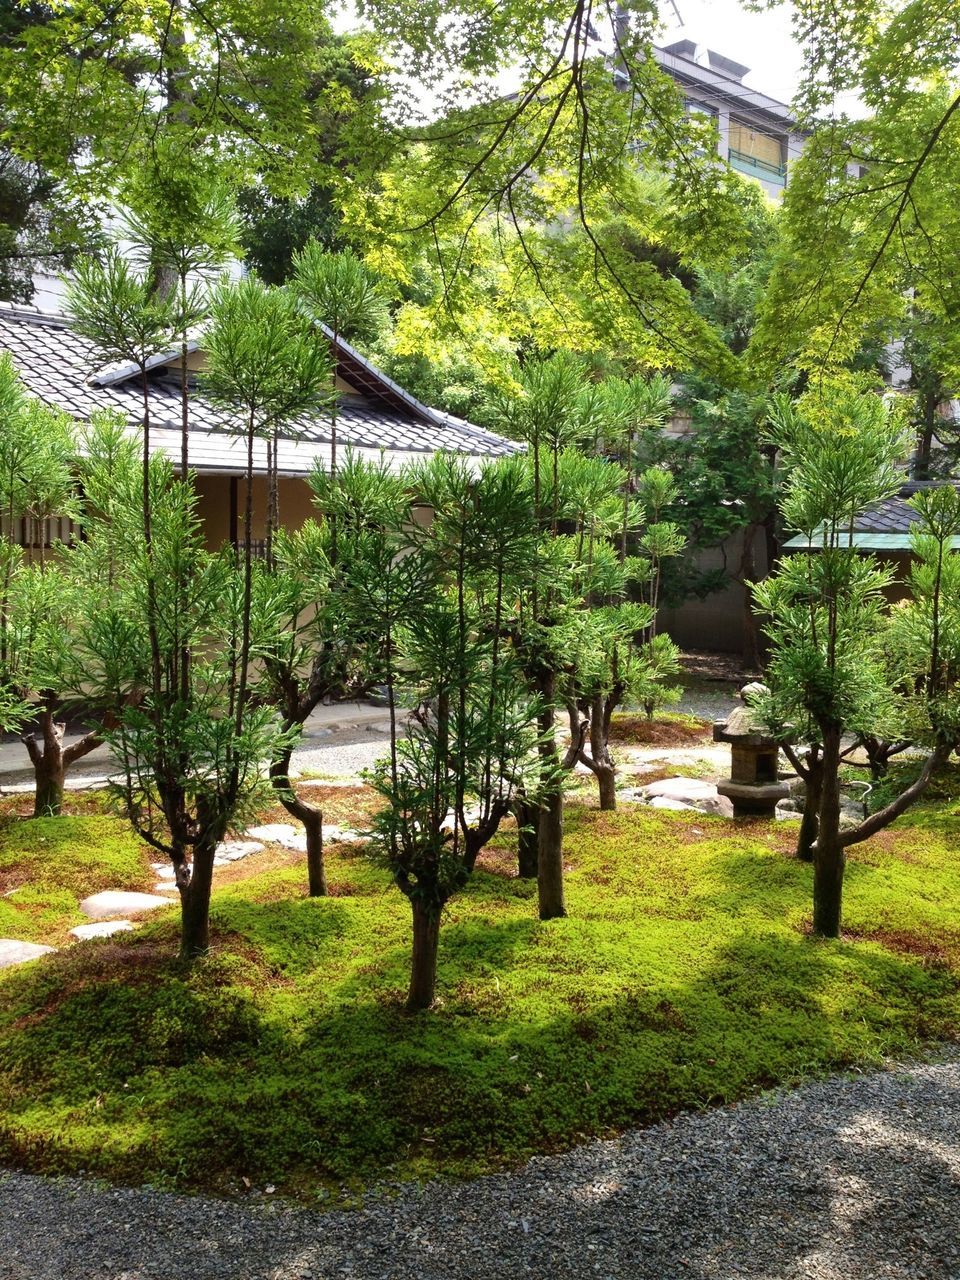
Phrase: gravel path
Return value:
(844, 1179)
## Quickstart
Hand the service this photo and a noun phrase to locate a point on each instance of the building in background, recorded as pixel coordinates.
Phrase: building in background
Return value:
(756, 134)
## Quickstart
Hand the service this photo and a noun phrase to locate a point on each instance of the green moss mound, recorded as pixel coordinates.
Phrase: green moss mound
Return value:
(48, 864)
(683, 977)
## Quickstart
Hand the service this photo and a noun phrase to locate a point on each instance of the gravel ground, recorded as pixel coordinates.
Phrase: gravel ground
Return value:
(346, 755)
(844, 1179)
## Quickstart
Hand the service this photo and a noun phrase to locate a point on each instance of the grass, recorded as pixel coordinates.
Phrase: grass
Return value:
(683, 977)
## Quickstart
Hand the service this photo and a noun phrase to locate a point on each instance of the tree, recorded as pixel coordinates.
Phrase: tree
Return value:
(41, 598)
(550, 170)
(827, 616)
(190, 734)
(278, 226)
(337, 290)
(869, 229)
(615, 653)
(188, 738)
(181, 219)
(330, 642)
(238, 80)
(472, 738)
(264, 365)
(42, 226)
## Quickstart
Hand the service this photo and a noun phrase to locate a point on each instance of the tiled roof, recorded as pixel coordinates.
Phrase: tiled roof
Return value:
(884, 526)
(60, 368)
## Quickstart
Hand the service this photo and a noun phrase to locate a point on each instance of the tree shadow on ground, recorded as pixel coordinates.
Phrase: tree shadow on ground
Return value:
(833, 1179)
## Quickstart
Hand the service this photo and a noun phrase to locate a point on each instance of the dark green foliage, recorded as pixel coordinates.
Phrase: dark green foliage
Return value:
(276, 228)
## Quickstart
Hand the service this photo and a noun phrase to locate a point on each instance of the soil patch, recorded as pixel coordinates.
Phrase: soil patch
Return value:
(674, 731)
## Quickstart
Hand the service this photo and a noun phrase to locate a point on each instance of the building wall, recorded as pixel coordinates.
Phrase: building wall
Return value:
(716, 623)
(296, 506)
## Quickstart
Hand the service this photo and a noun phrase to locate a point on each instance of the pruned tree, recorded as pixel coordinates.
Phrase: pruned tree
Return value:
(42, 599)
(828, 617)
(337, 290)
(471, 741)
(190, 735)
(330, 643)
(180, 217)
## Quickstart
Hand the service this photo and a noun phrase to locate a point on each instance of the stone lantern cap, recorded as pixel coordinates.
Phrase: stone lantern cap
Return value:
(743, 725)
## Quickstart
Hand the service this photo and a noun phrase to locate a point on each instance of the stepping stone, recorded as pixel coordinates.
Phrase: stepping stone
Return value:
(343, 835)
(684, 789)
(165, 886)
(234, 850)
(101, 929)
(685, 793)
(117, 902)
(14, 952)
(164, 870)
(278, 832)
(297, 842)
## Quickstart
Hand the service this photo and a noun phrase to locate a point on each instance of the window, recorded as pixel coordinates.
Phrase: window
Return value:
(33, 534)
(756, 153)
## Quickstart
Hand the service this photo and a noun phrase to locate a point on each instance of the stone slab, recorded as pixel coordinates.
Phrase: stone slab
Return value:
(667, 802)
(688, 793)
(234, 850)
(118, 902)
(680, 789)
(345, 835)
(276, 831)
(101, 929)
(12, 952)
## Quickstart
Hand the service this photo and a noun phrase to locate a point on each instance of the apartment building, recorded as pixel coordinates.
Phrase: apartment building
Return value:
(755, 133)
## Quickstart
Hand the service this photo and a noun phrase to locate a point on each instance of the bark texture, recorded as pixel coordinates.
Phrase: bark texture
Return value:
(195, 883)
(423, 968)
(528, 839)
(312, 819)
(811, 812)
(829, 857)
(550, 824)
(51, 759)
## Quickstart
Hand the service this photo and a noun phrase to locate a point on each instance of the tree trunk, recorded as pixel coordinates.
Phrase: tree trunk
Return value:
(811, 812)
(829, 856)
(550, 855)
(550, 824)
(528, 855)
(45, 749)
(312, 820)
(195, 900)
(423, 964)
(925, 432)
(607, 782)
(748, 576)
(48, 800)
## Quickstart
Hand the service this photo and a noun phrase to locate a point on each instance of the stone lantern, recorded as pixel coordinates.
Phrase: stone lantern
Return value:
(753, 785)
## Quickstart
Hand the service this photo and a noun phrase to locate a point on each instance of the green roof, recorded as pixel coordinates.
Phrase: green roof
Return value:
(863, 541)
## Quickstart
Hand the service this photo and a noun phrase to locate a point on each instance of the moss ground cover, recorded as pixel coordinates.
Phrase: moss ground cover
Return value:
(48, 864)
(683, 977)
(665, 730)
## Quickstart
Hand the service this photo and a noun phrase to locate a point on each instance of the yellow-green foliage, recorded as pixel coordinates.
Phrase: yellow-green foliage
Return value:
(684, 976)
(48, 864)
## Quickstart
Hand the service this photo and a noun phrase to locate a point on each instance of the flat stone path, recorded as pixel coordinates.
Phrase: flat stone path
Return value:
(12, 951)
(847, 1178)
